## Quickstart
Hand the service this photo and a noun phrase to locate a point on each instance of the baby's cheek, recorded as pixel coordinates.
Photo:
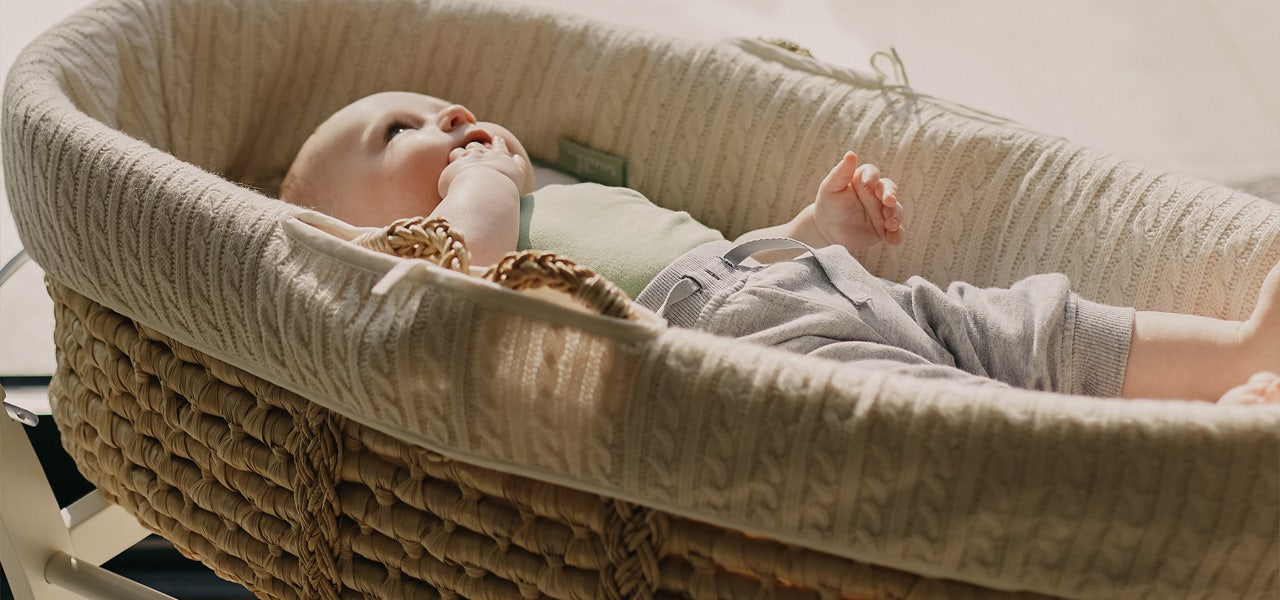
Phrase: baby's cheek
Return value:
(418, 185)
(327, 205)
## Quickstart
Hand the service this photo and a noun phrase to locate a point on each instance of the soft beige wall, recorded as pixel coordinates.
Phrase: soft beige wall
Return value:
(1186, 85)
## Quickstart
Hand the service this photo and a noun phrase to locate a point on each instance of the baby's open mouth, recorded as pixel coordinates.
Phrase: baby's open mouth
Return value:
(477, 135)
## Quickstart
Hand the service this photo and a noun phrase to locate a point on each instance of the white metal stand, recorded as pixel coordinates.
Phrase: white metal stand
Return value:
(52, 554)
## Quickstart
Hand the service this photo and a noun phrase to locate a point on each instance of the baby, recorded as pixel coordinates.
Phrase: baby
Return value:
(795, 285)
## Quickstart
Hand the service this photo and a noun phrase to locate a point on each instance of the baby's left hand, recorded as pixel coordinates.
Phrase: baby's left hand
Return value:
(856, 207)
(495, 157)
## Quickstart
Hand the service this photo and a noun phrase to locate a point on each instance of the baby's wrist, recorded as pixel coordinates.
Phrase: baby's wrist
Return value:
(804, 227)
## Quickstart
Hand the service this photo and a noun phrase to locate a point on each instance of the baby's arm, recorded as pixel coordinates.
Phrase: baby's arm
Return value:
(854, 207)
(482, 198)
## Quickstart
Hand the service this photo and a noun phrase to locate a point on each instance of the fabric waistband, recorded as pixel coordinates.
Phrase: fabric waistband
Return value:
(703, 265)
(680, 291)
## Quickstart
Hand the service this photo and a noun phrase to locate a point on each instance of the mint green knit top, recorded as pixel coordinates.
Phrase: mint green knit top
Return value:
(616, 232)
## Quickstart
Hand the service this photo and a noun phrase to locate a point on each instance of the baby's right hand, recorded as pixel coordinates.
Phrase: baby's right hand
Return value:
(495, 158)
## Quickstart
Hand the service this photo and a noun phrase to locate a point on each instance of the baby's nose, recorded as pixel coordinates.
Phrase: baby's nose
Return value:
(454, 116)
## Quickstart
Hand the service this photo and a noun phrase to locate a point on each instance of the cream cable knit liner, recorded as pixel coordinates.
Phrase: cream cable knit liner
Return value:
(125, 126)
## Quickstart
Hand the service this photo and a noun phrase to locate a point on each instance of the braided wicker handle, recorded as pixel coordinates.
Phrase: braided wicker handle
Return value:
(433, 241)
(418, 237)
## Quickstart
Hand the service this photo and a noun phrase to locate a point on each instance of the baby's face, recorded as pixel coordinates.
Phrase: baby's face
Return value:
(380, 158)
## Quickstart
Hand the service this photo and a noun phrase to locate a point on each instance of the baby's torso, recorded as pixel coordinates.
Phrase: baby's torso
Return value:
(616, 232)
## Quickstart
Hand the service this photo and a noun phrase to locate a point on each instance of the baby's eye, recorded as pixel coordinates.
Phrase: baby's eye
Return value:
(395, 129)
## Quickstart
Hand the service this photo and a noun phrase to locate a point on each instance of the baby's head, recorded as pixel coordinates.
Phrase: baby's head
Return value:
(380, 158)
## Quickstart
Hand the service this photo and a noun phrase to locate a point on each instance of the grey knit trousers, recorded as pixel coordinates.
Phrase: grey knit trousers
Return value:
(1036, 334)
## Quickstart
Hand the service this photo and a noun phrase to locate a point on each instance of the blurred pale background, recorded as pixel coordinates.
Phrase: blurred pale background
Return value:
(1185, 85)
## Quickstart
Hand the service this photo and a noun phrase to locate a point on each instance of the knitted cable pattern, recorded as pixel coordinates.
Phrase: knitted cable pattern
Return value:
(142, 140)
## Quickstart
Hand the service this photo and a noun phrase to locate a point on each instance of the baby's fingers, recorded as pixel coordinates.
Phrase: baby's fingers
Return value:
(893, 225)
(891, 210)
(888, 192)
(841, 174)
(867, 178)
(866, 193)
(1262, 388)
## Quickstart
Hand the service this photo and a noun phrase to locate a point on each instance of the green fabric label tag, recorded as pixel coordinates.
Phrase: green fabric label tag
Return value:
(590, 164)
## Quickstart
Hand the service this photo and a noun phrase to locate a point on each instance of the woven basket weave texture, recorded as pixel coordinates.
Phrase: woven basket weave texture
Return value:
(293, 501)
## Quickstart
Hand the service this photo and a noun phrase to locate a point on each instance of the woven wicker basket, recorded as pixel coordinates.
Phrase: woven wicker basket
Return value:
(294, 501)
(227, 374)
